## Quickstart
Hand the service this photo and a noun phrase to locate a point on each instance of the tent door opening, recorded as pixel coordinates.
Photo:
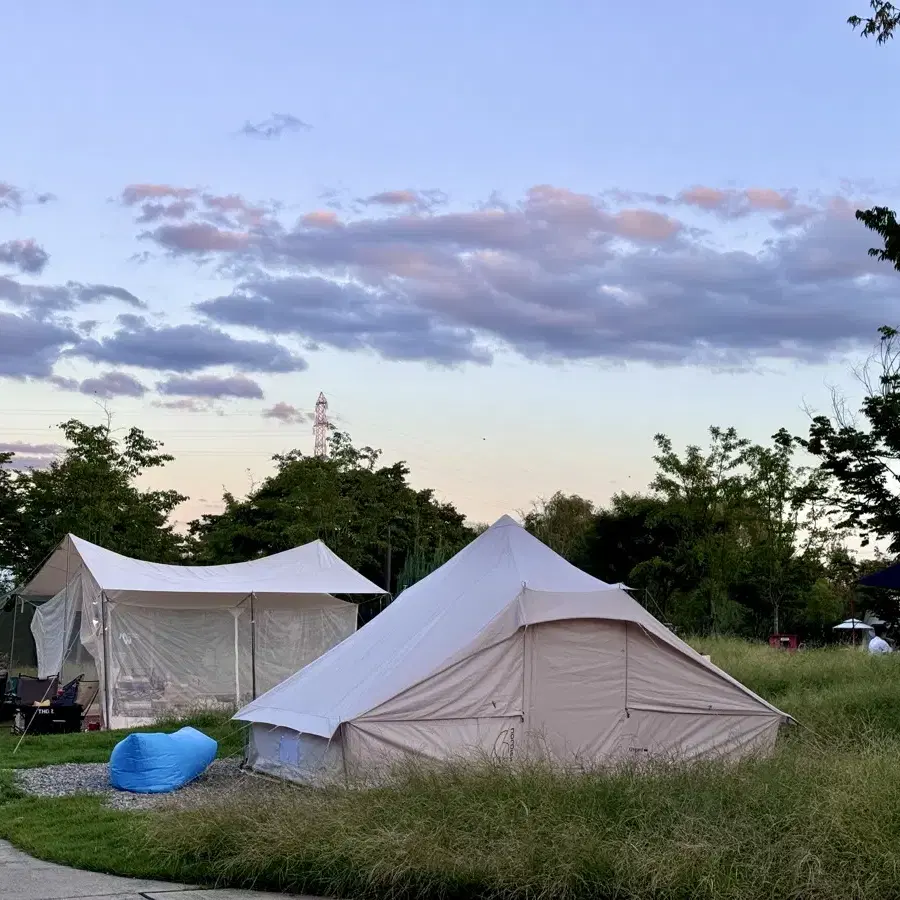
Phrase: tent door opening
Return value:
(575, 673)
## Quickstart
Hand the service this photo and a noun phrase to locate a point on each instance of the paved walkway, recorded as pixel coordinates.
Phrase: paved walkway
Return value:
(24, 878)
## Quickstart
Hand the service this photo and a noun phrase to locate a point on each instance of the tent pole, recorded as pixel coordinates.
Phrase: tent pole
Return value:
(253, 644)
(65, 611)
(237, 657)
(12, 639)
(104, 620)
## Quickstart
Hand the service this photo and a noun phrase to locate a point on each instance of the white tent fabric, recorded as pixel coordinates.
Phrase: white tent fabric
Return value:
(160, 638)
(504, 647)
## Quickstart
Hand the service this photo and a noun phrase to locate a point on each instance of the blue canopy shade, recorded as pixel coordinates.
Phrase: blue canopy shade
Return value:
(886, 578)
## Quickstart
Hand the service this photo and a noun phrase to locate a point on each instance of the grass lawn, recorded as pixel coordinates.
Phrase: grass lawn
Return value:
(79, 831)
(819, 820)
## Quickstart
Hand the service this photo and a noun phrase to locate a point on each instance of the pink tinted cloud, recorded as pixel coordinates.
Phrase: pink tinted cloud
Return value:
(547, 278)
(138, 193)
(320, 218)
(199, 237)
(646, 225)
(393, 198)
(734, 204)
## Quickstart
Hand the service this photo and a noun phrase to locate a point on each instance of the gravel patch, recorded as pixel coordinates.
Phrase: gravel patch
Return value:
(222, 781)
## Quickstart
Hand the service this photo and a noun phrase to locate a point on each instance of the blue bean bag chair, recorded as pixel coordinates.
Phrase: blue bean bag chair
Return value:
(159, 763)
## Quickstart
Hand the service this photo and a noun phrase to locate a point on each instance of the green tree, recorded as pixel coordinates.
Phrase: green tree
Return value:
(92, 491)
(881, 23)
(883, 18)
(366, 513)
(13, 524)
(861, 454)
(631, 542)
(785, 522)
(563, 523)
(705, 494)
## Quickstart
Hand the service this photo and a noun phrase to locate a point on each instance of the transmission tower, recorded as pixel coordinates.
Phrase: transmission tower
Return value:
(321, 427)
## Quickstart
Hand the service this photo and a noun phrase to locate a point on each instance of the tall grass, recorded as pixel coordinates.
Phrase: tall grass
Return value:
(821, 819)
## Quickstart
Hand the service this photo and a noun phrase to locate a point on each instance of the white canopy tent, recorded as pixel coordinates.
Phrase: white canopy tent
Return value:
(159, 638)
(507, 650)
(856, 625)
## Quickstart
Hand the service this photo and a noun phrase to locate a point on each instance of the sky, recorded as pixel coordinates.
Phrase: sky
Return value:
(510, 242)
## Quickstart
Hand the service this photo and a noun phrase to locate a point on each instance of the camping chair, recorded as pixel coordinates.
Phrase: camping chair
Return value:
(31, 690)
(43, 708)
(87, 694)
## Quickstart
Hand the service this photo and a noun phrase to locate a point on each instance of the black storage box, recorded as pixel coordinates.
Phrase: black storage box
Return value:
(48, 719)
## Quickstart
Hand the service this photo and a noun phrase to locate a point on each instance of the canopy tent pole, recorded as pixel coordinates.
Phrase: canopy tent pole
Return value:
(104, 624)
(62, 660)
(237, 664)
(253, 643)
(12, 639)
(236, 612)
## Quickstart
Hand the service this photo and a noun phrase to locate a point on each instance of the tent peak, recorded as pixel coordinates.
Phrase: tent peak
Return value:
(504, 521)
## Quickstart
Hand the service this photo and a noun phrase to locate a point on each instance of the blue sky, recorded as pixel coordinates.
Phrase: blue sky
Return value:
(515, 242)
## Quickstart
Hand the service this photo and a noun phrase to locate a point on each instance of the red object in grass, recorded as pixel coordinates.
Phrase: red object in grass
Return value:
(783, 641)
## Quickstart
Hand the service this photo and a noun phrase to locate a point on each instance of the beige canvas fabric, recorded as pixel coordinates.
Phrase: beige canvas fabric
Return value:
(475, 662)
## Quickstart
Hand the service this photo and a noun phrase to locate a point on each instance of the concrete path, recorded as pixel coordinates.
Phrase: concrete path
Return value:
(24, 878)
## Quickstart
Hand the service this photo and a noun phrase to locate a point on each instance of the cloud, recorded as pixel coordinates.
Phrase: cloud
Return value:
(14, 198)
(30, 346)
(288, 414)
(558, 275)
(212, 387)
(92, 293)
(151, 211)
(112, 384)
(11, 197)
(185, 349)
(187, 404)
(188, 220)
(410, 199)
(735, 204)
(48, 299)
(275, 126)
(199, 237)
(39, 449)
(320, 218)
(135, 194)
(30, 456)
(64, 383)
(345, 316)
(25, 255)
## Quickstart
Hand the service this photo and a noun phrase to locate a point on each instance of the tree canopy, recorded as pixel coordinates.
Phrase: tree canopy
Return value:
(92, 491)
(365, 512)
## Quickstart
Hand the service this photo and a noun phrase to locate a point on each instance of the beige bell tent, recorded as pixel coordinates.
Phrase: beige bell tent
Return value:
(161, 639)
(507, 651)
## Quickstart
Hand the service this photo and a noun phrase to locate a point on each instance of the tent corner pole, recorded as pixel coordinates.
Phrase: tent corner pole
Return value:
(104, 620)
(253, 644)
(237, 665)
(12, 637)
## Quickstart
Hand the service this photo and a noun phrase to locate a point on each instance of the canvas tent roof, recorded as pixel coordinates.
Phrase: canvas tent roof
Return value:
(309, 569)
(502, 581)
